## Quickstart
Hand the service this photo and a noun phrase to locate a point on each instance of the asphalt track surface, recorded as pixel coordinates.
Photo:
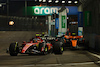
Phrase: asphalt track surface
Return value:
(70, 58)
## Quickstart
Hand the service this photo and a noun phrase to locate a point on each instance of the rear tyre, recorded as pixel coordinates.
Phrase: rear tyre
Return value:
(13, 49)
(58, 48)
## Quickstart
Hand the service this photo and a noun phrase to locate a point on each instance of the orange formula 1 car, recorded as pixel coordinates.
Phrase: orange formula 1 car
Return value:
(73, 41)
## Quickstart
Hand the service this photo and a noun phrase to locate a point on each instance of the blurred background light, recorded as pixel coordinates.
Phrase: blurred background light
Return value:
(35, 0)
(44, 0)
(56, 1)
(69, 1)
(63, 1)
(50, 1)
(75, 2)
(40, 0)
(0, 5)
(11, 23)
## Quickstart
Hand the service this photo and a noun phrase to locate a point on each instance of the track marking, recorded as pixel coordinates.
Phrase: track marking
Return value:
(98, 56)
(49, 65)
(62, 64)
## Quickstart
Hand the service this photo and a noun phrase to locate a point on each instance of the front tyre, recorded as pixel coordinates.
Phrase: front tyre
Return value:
(13, 49)
(43, 48)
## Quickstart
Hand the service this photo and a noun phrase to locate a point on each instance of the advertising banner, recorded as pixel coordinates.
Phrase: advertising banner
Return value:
(63, 21)
(80, 19)
(80, 31)
(47, 10)
(88, 18)
(57, 23)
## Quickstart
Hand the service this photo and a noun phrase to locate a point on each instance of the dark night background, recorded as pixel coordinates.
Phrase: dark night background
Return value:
(22, 22)
(16, 6)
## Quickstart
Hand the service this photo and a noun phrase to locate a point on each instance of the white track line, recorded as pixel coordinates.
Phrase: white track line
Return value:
(61, 64)
(50, 65)
(98, 56)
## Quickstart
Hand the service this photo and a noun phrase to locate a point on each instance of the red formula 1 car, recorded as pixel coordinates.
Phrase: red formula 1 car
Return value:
(35, 46)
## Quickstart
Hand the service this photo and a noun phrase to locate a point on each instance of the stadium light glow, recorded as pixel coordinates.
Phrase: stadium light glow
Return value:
(63, 1)
(56, 1)
(0, 5)
(50, 1)
(40, 0)
(11, 23)
(44, 0)
(75, 2)
(69, 1)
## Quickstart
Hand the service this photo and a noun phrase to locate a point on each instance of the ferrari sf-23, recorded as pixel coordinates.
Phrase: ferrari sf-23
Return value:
(36, 46)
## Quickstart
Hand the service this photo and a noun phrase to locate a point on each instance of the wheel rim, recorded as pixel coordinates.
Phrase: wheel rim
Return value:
(61, 49)
(46, 49)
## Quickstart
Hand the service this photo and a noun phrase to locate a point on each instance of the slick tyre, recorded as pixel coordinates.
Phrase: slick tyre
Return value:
(40, 46)
(13, 49)
(58, 48)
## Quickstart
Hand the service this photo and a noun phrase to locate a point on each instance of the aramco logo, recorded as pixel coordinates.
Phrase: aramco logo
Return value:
(46, 10)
